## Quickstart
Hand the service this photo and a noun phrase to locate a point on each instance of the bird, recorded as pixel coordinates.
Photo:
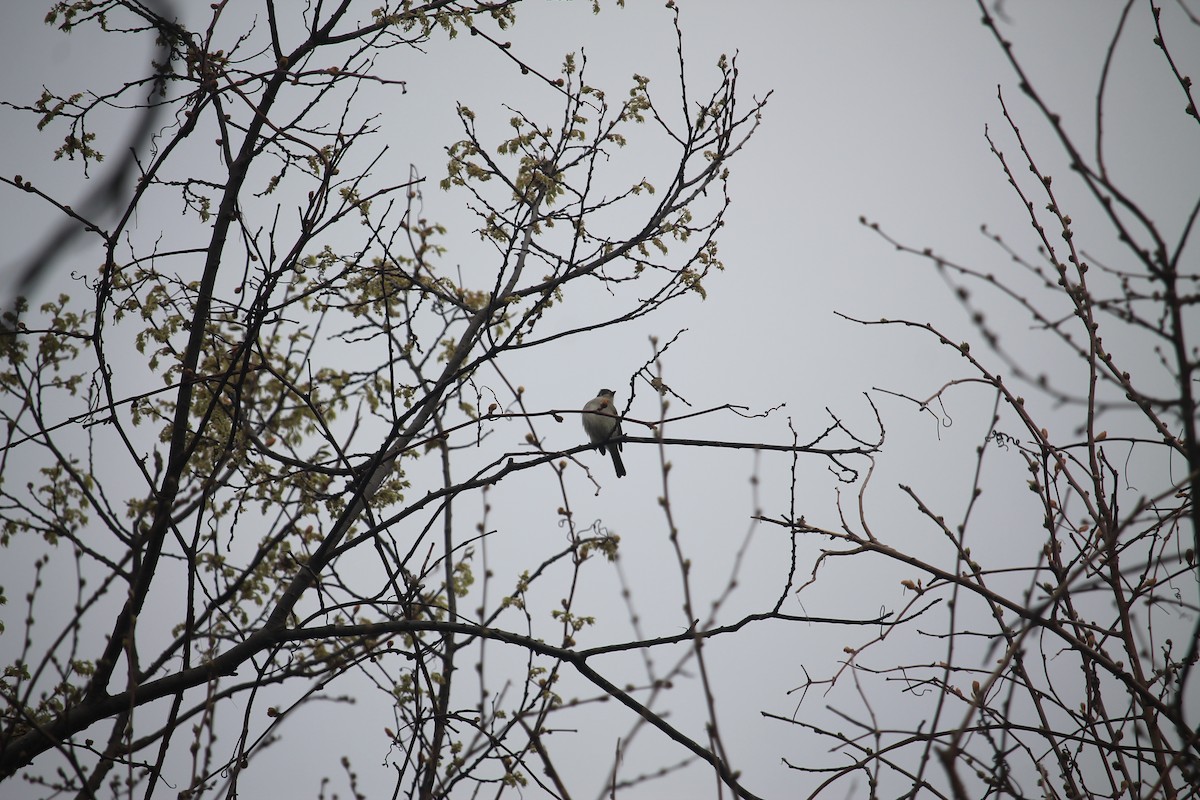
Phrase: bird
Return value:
(603, 426)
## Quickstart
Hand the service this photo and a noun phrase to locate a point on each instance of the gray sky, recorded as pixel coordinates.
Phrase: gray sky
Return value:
(879, 109)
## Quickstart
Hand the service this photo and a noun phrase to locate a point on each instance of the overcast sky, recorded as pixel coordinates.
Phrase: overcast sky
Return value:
(879, 109)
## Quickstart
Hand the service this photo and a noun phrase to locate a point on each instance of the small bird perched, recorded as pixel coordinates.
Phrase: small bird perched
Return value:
(602, 425)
